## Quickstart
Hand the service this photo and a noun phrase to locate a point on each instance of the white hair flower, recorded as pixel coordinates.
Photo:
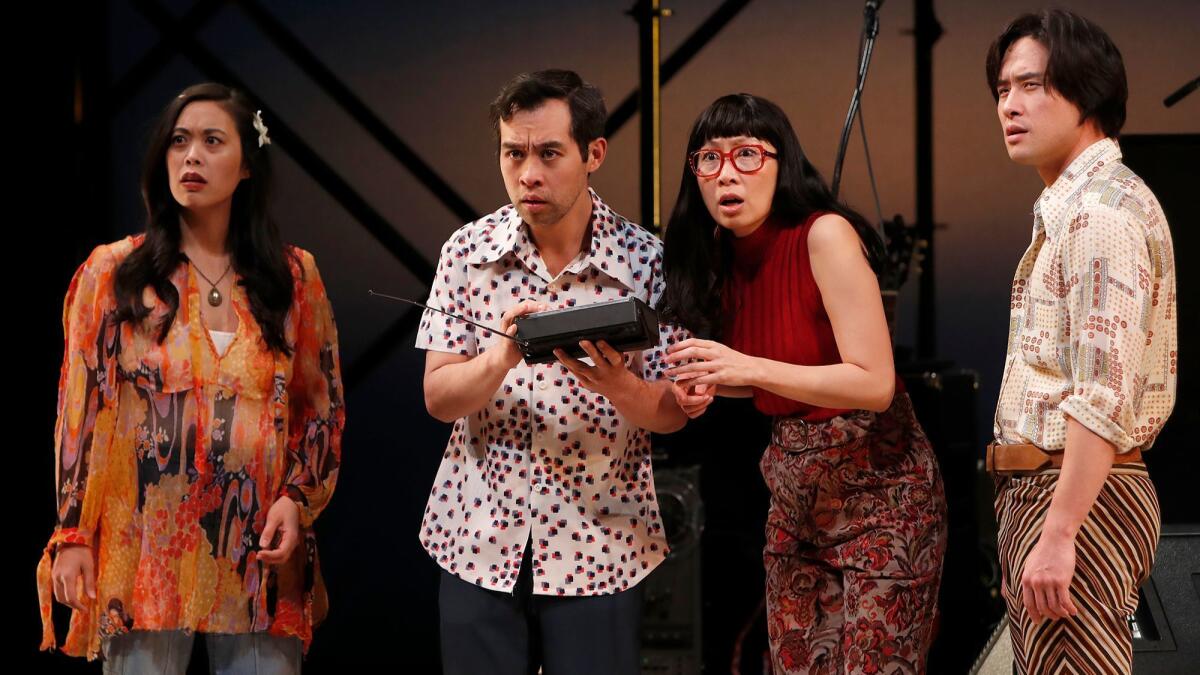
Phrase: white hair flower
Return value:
(263, 138)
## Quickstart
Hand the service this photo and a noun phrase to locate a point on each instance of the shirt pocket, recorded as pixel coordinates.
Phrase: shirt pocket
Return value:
(1043, 341)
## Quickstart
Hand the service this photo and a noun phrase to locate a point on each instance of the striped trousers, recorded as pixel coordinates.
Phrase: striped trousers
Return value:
(1114, 552)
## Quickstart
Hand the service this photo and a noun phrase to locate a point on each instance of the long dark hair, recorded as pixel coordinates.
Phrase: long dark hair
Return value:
(696, 261)
(258, 254)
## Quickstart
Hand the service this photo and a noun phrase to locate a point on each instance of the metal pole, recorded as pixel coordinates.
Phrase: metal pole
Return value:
(927, 31)
(648, 14)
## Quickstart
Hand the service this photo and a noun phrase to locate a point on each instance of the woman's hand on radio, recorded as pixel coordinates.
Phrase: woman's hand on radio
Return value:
(698, 361)
(608, 377)
(508, 352)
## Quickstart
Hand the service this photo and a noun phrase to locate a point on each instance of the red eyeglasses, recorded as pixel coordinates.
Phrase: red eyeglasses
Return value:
(708, 162)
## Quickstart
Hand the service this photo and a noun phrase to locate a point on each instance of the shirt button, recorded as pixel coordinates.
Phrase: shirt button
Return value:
(542, 385)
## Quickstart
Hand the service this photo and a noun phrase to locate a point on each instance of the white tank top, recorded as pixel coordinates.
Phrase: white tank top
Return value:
(221, 340)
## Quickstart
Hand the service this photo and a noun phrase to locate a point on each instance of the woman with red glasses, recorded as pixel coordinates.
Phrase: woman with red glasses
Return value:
(761, 256)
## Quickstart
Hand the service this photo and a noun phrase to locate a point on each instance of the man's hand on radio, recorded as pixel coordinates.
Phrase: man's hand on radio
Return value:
(608, 377)
(507, 352)
(693, 399)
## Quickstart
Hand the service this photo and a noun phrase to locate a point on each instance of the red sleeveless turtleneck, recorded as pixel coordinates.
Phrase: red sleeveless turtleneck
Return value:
(774, 309)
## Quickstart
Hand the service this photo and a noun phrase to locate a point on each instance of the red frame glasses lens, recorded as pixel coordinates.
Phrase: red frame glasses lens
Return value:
(693, 159)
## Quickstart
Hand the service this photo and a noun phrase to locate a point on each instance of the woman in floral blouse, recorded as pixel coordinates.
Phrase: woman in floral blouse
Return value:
(200, 416)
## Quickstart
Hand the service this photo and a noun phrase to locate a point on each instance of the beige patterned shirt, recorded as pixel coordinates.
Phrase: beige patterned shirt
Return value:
(1092, 323)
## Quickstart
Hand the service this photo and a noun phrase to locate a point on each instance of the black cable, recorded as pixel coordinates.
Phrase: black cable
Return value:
(862, 127)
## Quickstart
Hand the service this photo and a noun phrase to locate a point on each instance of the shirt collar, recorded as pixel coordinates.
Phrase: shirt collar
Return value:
(1069, 183)
(608, 250)
(502, 237)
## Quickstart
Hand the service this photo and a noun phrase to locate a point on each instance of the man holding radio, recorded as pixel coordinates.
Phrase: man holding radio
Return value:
(543, 515)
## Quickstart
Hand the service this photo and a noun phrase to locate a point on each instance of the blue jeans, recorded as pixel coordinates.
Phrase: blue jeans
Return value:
(168, 652)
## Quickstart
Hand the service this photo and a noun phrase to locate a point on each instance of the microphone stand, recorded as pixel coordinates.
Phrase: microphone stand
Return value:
(866, 47)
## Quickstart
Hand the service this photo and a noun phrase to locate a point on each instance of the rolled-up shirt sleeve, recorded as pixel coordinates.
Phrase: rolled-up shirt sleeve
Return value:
(1111, 287)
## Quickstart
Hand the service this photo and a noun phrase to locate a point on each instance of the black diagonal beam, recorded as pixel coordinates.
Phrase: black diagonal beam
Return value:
(303, 57)
(381, 348)
(187, 25)
(677, 60)
(284, 40)
(157, 57)
(304, 155)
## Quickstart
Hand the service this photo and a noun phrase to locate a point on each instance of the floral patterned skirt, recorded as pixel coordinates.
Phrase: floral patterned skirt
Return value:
(856, 534)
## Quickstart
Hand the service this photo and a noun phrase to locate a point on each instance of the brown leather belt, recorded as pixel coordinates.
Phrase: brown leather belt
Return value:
(1026, 458)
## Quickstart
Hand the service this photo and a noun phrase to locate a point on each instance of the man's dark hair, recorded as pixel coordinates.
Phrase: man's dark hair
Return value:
(528, 91)
(1084, 66)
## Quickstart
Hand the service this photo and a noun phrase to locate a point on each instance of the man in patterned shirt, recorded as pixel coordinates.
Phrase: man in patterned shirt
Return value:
(1090, 377)
(543, 515)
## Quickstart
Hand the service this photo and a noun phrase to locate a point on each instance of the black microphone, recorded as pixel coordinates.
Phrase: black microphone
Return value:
(871, 17)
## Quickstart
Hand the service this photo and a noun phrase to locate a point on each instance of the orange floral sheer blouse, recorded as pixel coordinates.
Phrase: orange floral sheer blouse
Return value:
(169, 455)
